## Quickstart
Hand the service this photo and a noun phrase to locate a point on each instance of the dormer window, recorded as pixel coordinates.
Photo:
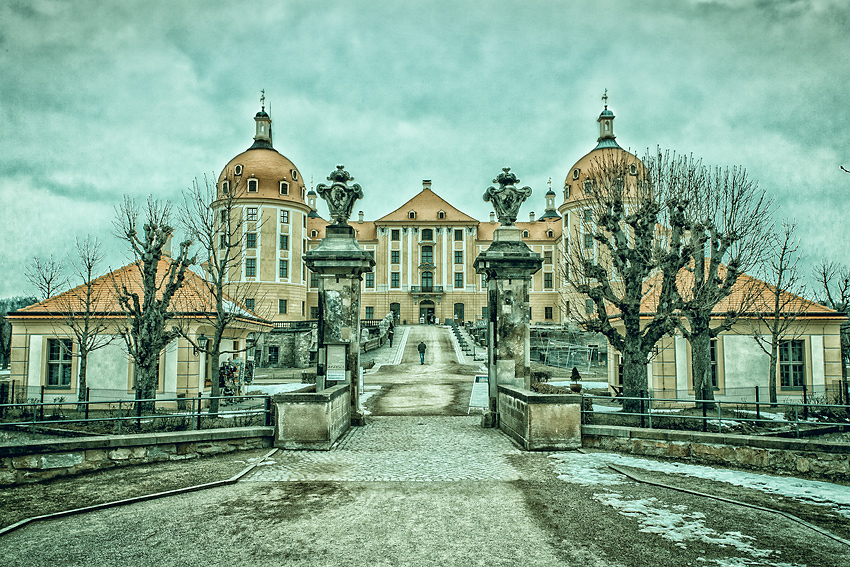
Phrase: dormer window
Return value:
(253, 185)
(225, 187)
(294, 175)
(302, 193)
(525, 234)
(237, 170)
(588, 187)
(411, 215)
(632, 169)
(314, 233)
(441, 215)
(550, 233)
(576, 173)
(284, 188)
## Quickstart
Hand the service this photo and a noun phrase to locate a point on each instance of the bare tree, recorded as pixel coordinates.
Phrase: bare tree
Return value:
(84, 309)
(621, 261)
(832, 284)
(781, 299)
(726, 222)
(46, 276)
(213, 217)
(147, 302)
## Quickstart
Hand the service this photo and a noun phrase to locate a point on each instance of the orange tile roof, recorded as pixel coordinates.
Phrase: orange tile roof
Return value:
(427, 205)
(364, 231)
(536, 230)
(193, 297)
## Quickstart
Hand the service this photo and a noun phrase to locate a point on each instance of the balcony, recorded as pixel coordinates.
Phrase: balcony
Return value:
(426, 289)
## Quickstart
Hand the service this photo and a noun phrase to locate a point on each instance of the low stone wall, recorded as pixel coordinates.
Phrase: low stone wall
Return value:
(44, 460)
(540, 422)
(311, 420)
(790, 456)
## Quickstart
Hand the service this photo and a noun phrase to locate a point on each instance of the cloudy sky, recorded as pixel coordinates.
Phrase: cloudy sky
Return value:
(104, 99)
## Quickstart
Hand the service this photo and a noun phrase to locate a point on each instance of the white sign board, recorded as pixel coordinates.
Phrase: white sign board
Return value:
(335, 367)
(480, 397)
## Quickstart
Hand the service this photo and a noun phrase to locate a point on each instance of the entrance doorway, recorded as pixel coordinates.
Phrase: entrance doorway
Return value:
(426, 311)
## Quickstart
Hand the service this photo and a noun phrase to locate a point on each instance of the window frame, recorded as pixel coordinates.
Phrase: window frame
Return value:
(281, 307)
(284, 188)
(284, 216)
(395, 257)
(458, 235)
(795, 368)
(395, 280)
(369, 280)
(395, 235)
(250, 267)
(458, 256)
(253, 181)
(284, 241)
(62, 367)
(458, 277)
(283, 268)
(252, 213)
(250, 240)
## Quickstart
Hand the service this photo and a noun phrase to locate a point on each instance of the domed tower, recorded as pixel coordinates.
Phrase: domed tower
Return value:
(270, 212)
(578, 201)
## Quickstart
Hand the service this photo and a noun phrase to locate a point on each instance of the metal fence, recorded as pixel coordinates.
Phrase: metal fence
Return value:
(783, 418)
(120, 415)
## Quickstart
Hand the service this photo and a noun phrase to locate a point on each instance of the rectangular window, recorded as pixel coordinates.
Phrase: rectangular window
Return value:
(458, 256)
(283, 269)
(484, 312)
(458, 280)
(251, 213)
(273, 355)
(548, 311)
(284, 217)
(314, 279)
(370, 280)
(250, 267)
(792, 374)
(222, 241)
(370, 312)
(314, 312)
(483, 281)
(249, 303)
(395, 279)
(251, 240)
(547, 257)
(427, 255)
(588, 306)
(284, 242)
(395, 234)
(588, 240)
(253, 184)
(588, 215)
(394, 257)
(59, 362)
(224, 217)
(281, 306)
(547, 280)
(459, 235)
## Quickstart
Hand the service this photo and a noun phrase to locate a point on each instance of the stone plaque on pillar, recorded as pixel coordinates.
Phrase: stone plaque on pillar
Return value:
(340, 262)
(508, 265)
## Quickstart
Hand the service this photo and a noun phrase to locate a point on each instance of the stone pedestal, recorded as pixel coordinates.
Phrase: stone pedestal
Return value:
(508, 265)
(340, 262)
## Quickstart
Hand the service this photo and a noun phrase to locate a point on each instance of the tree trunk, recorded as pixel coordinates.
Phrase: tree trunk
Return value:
(81, 381)
(147, 378)
(700, 339)
(771, 385)
(634, 373)
(215, 389)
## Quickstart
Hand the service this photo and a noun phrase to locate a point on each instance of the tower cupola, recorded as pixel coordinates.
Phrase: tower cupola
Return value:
(606, 126)
(263, 134)
(551, 212)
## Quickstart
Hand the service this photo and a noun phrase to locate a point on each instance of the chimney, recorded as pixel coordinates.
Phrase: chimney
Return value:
(492, 216)
(360, 217)
(426, 184)
(531, 216)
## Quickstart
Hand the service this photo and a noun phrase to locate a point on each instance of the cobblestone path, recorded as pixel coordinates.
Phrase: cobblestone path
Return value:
(426, 449)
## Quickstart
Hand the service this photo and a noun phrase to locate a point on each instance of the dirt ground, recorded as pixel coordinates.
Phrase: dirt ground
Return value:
(27, 500)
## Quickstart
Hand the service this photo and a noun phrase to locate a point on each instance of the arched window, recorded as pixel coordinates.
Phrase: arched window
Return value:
(550, 233)
(284, 188)
(252, 185)
(525, 234)
(411, 215)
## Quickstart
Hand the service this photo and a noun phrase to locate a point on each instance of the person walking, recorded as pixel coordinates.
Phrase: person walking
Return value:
(421, 348)
(390, 336)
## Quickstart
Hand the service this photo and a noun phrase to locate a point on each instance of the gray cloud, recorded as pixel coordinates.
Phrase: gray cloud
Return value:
(105, 99)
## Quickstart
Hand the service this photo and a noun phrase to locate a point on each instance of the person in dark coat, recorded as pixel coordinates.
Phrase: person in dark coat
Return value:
(390, 335)
(421, 348)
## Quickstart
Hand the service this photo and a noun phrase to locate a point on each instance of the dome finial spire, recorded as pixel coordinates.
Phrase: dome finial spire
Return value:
(263, 99)
(605, 99)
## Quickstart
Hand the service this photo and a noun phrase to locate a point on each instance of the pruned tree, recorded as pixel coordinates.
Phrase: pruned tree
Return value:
(47, 276)
(832, 288)
(147, 302)
(213, 217)
(84, 309)
(726, 222)
(781, 301)
(623, 262)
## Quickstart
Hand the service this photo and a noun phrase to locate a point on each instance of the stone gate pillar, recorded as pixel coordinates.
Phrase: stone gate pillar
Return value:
(340, 262)
(508, 265)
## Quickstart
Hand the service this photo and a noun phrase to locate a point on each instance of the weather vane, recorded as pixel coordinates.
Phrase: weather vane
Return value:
(263, 99)
(605, 99)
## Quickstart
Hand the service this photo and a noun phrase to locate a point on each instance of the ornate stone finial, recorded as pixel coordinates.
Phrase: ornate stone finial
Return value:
(507, 198)
(339, 196)
(263, 99)
(605, 99)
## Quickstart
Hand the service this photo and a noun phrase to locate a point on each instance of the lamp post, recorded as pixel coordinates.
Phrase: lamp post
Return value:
(202, 341)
